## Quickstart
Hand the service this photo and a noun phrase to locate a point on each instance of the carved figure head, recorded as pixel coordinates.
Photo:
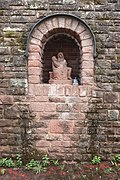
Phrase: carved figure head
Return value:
(60, 56)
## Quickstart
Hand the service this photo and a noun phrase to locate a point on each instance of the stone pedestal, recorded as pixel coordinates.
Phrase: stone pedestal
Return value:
(52, 81)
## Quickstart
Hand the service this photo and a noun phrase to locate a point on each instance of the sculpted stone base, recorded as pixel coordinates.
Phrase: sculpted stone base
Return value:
(52, 81)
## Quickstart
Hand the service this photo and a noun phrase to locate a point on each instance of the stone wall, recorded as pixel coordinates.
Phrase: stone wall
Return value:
(66, 122)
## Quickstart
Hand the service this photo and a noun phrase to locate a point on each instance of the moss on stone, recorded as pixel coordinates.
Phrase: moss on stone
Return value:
(20, 38)
(1, 39)
(1, 12)
(10, 34)
(21, 41)
(118, 59)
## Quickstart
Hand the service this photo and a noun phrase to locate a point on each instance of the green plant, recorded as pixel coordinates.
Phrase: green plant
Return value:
(62, 167)
(9, 163)
(5, 162)
(2, 171)
(38, 168)
(2, 162)
(55, 162)
(96, 160)
(109, 170)
(45, 160)
(115, 160)
(19, 162)
(32, 164)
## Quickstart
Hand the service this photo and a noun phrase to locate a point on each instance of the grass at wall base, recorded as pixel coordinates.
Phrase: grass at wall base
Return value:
(48, 169)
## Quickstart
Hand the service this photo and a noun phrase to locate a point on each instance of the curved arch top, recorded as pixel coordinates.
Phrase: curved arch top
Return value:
(60, 15)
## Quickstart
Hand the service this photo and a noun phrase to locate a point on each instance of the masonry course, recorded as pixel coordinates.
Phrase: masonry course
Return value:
(67, 122)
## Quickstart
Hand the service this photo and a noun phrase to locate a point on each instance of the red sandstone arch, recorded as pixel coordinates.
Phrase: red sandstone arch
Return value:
(51, 25)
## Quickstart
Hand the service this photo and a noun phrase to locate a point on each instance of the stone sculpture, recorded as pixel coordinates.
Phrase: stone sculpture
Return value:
(61, 72)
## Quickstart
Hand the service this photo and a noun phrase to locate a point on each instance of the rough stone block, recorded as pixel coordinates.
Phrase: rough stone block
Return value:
(75, 90)
(88, 57)
(68, 23)
(35, 63)
(88, 49)
(49, 24)
(85, 35)
(35, 41)
(61, 22)
(43, 28)
(80, 28)
(68, 90)
(50, 107)
(37, 34)
(53, 90)
(74, 107)
(55, 22)
(62, 108)
(87, 80)
(113, 115)
(57, 126)
(37, 106)
(34, 48)
(87, 65)
(34, 56)
(86, 42)
(11, 112)
(46, 89)
(110, 97)
(42, 143)
(6, 99)
(33, 79)
(88, 72)
(60, 90)
(74, 24)
(60, 144)
(34, 71)
(83, 91)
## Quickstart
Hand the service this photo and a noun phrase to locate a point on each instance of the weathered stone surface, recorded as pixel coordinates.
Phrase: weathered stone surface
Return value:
(113, 115)
(111, 97)
(11, 112)
(61, 127)
(115, 65)
(68, 122)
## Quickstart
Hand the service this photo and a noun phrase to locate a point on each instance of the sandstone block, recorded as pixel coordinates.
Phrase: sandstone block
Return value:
(60, 90)
(49, 107)
(34, 56)
(34, 48)
(43, 28)
(110, 97)
(83, 91)
(62, 108)
(11, 112)
(6, 99)
(34, 71)
(37, 106)
(33, 79)
(42, 143)
(86, 42)
(61, 22)
(113, 115)
(57, 126)
(37, 34)
(75, 90)
(35, 41)
(34, 63)
(68, 90)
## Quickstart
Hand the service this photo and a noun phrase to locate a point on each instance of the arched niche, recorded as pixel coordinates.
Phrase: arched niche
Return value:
(53, 34)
